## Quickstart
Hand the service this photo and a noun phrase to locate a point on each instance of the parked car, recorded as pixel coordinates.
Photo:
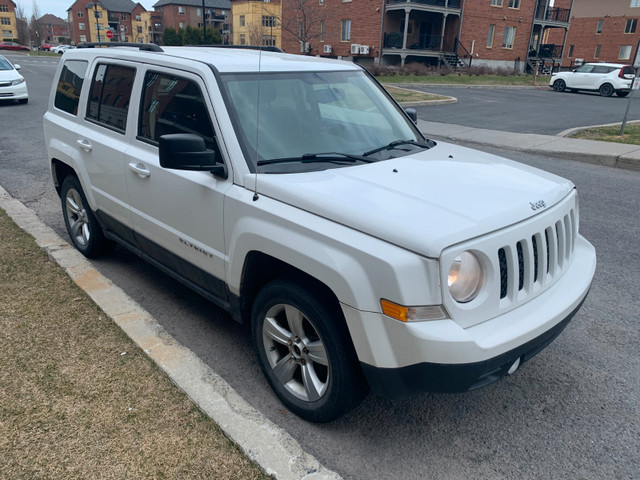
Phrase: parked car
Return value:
(46, 46)
(59, 49)
(12, 85)
(296, 194)
(12, 46)
(606, 78)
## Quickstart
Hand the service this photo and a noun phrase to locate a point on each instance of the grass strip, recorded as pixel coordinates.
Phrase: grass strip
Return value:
(78, 399)
(408, 96)
(612, 134)
(463, 79)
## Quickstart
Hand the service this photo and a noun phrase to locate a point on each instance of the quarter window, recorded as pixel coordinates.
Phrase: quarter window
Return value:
(70, 85)
(111, 82)
(173, 105)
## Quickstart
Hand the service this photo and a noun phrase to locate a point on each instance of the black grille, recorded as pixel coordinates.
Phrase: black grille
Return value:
(502, 258)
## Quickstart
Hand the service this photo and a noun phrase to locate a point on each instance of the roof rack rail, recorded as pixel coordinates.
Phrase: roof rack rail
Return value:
(269, 48)
(147, 47)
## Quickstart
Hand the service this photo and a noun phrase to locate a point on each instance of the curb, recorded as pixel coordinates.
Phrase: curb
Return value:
(420, 103)
(268, 445)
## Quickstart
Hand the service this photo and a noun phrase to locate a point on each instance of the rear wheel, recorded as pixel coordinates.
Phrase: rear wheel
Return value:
(559, 85)
(83, 228)
(305, 352)
(606, 90)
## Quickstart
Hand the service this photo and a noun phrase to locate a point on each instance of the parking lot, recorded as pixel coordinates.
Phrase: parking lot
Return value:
(572, 412)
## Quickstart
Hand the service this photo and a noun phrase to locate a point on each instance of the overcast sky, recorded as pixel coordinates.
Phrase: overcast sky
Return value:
(59, 7)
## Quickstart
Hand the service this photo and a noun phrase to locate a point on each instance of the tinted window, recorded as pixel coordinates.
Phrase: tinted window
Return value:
(70, 85)
(173, 105)
(110, 94)
(585, 69)
(602, 69)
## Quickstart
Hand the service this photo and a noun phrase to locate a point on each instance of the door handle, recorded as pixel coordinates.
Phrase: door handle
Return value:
(85, 145)
(140, 170)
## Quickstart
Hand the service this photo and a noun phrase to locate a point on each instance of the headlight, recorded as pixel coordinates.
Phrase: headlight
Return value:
(18, 81)
(466, 276)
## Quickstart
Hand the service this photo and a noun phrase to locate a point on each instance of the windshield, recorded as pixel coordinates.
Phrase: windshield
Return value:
(291, 115)
(4, 64)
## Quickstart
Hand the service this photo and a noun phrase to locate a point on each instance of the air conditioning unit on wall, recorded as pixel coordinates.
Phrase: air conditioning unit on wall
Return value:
(327, 49)
(355, 48)
(364, 49)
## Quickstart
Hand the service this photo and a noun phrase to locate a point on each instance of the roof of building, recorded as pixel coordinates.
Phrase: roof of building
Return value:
(51, 19)
(112, 5)
(222, 4)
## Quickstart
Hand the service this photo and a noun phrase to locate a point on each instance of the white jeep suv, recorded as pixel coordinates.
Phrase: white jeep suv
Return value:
(295, 193)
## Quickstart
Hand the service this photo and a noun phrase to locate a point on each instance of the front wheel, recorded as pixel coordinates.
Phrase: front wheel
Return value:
(305, 352)
(559, 85)
(83, 228)
(606, 90)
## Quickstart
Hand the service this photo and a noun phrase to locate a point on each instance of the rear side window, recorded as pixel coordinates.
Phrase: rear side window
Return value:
(69, 86)
(173, 104)
(628, 71)
(603, 69)
(110, 95)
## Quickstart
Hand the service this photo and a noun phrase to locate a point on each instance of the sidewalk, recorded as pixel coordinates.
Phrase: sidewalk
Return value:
(616, 155)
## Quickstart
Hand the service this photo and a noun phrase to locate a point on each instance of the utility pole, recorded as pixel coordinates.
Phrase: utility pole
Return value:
(204, 25)
(95, 13)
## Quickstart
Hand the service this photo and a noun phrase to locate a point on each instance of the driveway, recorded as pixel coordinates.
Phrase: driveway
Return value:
(525, 110)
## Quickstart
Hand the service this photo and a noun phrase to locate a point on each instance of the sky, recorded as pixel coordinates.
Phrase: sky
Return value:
(59, 7)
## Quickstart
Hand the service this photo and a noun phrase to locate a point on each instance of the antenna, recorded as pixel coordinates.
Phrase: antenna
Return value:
(255, 183)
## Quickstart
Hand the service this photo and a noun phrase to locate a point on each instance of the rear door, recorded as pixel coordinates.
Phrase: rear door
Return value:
(177, 215)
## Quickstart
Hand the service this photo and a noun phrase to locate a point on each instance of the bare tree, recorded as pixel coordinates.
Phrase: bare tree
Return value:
(303, 21)
(256, 32)
(22, 25)
(34, 25)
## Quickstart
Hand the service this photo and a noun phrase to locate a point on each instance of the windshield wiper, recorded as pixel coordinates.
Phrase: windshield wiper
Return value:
(314, 157)
(397, 143)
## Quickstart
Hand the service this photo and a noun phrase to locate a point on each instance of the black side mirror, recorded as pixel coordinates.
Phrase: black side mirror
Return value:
(413, 115)
(186, 151)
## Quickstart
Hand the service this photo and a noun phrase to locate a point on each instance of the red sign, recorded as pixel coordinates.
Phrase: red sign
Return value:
(109, 34)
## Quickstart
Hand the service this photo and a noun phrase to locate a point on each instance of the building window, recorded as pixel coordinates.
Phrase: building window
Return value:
(268, 41)
(81, 26)
(7, 34)
(492, 31)
(570, 52)
(80, 14)
(345, 34)
(98, 14)
(181, 10)
(5, 21)
(599, 27)
(509, 35)
(321, 2)
(198, 12)
(242, 21)
(625, 52)
(635, 3)
(4, 8)
(83, 38)
(596, 54)
(631, 25)
(123, 16)
(243, 39)
(268, 21)
(138, 18)
(496, 3)
(139, 29)
(322, 31)
(514, 4)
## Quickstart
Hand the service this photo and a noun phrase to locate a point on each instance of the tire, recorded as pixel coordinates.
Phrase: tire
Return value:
(23, 100)
(559, 85)
(606, 90)
(82, 226)
(622, 94)
(305, 352)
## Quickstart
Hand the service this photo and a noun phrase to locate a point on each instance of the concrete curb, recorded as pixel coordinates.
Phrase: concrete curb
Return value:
(609, 154)
(442, 101)
(277, 452)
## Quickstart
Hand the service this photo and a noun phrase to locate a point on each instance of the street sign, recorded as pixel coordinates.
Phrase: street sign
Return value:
(109, 34)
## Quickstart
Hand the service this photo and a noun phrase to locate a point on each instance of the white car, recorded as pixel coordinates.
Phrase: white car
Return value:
(295, 193)
(12, 85)
(605, 78)
(60, 49)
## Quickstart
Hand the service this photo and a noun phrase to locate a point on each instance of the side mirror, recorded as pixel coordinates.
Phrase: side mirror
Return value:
(17, 67)
(186, 151)
(413, 115)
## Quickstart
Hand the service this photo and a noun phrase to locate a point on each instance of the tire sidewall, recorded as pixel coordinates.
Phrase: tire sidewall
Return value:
(96, 242)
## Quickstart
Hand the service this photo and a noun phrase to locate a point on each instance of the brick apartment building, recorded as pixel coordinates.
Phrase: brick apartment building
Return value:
(181, 13)
(8, 24)
(52, 29)
(99, 20)
(603, 32)
(498, 33)
(256, 22)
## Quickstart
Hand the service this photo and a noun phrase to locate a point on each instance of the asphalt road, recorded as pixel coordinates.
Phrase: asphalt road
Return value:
(527, 110)
(572, 412)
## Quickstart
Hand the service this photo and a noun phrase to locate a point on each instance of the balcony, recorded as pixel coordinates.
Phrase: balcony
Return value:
(434, 3)
(414, 41)
(552, 15)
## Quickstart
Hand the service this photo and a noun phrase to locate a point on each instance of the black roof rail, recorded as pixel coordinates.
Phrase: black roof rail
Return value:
(269, 48)
(147, 47)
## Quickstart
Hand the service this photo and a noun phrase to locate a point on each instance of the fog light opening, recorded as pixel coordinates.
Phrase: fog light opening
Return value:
(514, 367)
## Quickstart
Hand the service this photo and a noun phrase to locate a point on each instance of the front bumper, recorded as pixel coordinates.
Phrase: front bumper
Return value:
(14, 92)
(400, 358)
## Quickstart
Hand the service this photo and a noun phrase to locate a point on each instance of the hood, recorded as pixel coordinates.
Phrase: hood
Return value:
(423, 202)
(9, 75)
